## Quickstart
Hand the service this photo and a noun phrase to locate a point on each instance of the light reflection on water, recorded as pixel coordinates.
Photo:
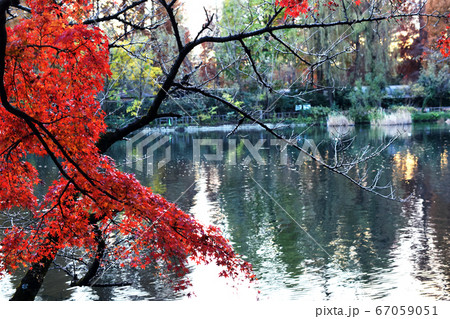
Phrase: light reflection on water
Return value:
(372, 248)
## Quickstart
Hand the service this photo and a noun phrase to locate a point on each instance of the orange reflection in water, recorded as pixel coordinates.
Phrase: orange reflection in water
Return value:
(405, 165)
(444, 159)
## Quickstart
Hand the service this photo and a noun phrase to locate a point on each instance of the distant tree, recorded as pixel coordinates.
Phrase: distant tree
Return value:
(433, 84)
(132, 70)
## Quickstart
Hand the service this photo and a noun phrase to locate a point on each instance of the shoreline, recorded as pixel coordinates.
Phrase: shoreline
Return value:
(219, 128)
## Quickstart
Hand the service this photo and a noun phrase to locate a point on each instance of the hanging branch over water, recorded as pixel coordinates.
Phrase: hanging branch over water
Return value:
(346, 167)
(82, 207)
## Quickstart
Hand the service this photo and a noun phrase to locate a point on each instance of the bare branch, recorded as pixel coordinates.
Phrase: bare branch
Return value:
(250, 57)
(374, 188)
(173, 21)
(115, 15)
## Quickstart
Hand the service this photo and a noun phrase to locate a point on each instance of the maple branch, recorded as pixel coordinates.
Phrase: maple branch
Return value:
(109, 138)
(31, 124)
(316, 25)
(274, 16)
(135, 26)
(30, 121)
(33, 279)
(12, 146)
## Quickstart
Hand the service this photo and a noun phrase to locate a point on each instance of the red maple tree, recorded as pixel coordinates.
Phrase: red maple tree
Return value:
(444, 42)
(53, 67)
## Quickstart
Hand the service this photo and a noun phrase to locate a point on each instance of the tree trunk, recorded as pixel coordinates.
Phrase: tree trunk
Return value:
(92, 271)
(32, 281)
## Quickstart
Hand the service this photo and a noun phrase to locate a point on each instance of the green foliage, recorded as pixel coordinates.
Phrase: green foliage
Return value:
(430, 116)
(358, 97)
(375, 115)
(319, 112)
(341, 98)
(273, 65)
(205, 117)
(369, 95)
(133, 81)
(316, 114)
(230, 99)
(364, 98)
(360, 114)
(407, 108)
(433, 84)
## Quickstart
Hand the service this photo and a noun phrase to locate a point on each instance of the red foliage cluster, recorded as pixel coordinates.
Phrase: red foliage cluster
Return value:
(294, 8)
(444, 42)
(55, 67)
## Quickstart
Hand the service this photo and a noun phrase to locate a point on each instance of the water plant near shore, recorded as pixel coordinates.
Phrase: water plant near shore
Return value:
(339, 119)
(399, 117)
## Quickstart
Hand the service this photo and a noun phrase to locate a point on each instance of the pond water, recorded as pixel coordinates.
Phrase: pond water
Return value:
(309, 233)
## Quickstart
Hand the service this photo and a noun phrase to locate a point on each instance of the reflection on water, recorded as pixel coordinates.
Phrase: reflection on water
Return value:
(340, 131)
(308, 233)
(6, 286)
(444, 160)
(405, 165)
(399, 131)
